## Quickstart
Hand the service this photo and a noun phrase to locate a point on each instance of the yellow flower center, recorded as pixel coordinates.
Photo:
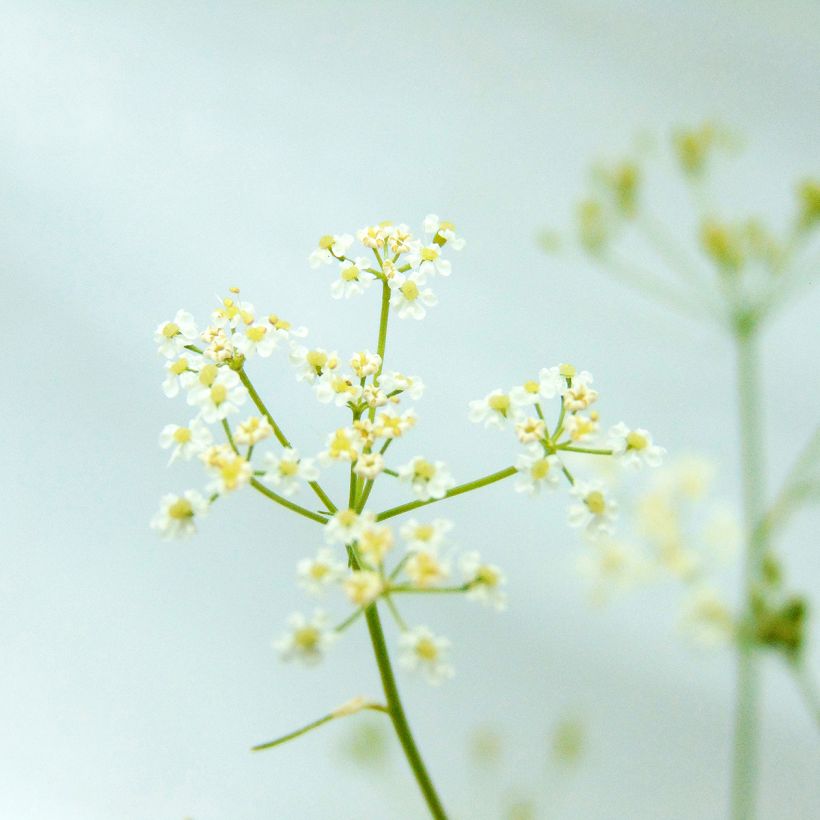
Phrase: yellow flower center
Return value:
(429, 254)
(426, 649)
(487, 575)
(170, 329)
(531, 386)
(635, 441)
(318, 570)
(567, 371)
(595, 502)
(351, 274)
(288, 468)
(500, 403)
(231, 472)
(180, 509)
(207, 376)
(347, 518)
(424, 469)
(326, 242)
(410, 290)
(540, 469)
(257, 333)
(219, 393)
(317, 359)
(306, 638)
(179, 367)
(424, 532)
(182, 435)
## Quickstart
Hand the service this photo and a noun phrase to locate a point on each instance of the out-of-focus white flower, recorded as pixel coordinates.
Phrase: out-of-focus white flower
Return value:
(530, 430)
(365, 363)
(319, 573)
(390, 425)
(368, 465)
(596, 513)
(707, 618)
(496, 409)
(287, 470)
(400, 240)
(362, 587)
(331, 248)
(486, 581)
(425, 569)
(634, 447)
(187, 442)
(343, 444)
(233, 314)
(690, 476)
(179, 372)
(259, 338)
(580, 427)
(423, 651)
(253, 430)
(395, 382)
(428, 261)
(345, 526)
(536, 471)
(177, 514)
(337, 388)
(611, 567)
(410, 297)
(352, 280)
(231, 471)
(375, 541)
(443, 232)
(217, 392)
(374, 396)
(311, 364)
(171, 337)
(306, 640)
(428, 536)
(722, 533)
(284, 330)
(427, 479)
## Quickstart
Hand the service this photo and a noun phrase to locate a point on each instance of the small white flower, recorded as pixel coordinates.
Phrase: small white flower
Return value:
(427, 479)
(395, 382)
(496, 409)
(536, 471)
(375, 541)
(218, 344)
(310, 364)
(611, 567)
(337, 388)
(362, 587)
(374, 236)
(343, 444)
(171, 337)
(428, 536)
(530, 430)
(425, 569)
(284, 330)
(400, 240)
(390, 425)
(217, 392)
(179, 372)
(369, 465)
(253, 430)
(579, 395)
(410, 297)
(549, 384)
(634, 447)
(187, 441)
(428, 261)
(422, 650)
(352, 280)
(365, 363)
(446, 230)
(374, 396)
(287, 471)
(232, 313)
(231, 470)
(707, 617)
(319, 573)
(177, 514)
(306, 640)
(259, 338)
(331, 248)
(486, 581)
(595, 513)
(345, 526)
(580, 427)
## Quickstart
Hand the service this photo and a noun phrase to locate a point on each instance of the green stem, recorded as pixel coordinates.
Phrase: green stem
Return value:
(808, 688)
(461, 488)
(281, 437)
(257, 485)
(569, 449)
(746, 737)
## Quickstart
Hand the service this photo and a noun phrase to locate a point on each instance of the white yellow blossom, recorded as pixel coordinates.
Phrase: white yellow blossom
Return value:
(430, 535)
(231, 313)
(410, 297)
(331, 248)
(423, 651)
(253, 430)
(611, 567)
(550, 383)
(374, 236)
(180, 372)
(391, 425)
(707, 618)
(306, 640)
(486, 581)
(337, 388)
(177, 514)
(362, 587)
(427, 260)
(375, 541)
(536, 471)
(580, 427)
(364, 363)
(496, 409)
(343, 444)
(634, 447)
(374, 397)
(259, 338)
(218, 345)
(345, 526)
(217, 392)
(186, 442)
(443, 232)
(530, 430)
(394, 382)
(596, 512)
(231, 472)
(171, 337)
(310, 364)
(368, 465)
(286, 471)
(319, 573)
(425, 568)
(427, 479)
(353, 280)
(579, 395)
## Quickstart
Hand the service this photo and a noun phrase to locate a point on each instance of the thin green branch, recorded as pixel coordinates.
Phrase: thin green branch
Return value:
(286, 503)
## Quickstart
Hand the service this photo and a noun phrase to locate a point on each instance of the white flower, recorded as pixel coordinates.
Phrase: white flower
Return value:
(579, 395)
(429, 536)
(374, 236)
(390, 425)
(259, 338)
(375, 541)
(186, 441)
(494, 410)
(707, 617)
(427, 479)
(634, 447)
(253, 430)
(446, 230)
(365, 363)
(410, 297)
(425, 569)
(287, 470)
(317, 574)
(345, 526)
(424, 651)
(374, 396)
(395, 382)
(331, 248)
(536, 471)
(486, 581)
(283, 330)
(337, 388)
(310, 364)
(530, 430)
(179, 372)
(595, 513)
(177, 514)
(369, 465)
(232, 313)
(611, 567)
(362, 587)
(306, 640)
(352, 281)
(579, 427)
(343, 444)
(217, 392)
(232, 471)
(428, 261)
(218, 345)
(171, 337)
(549, 384)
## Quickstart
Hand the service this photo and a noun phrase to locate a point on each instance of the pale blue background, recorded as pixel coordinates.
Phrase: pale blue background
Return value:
(152, 154)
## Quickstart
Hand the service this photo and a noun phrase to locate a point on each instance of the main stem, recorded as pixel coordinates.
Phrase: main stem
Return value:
(746, 739)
